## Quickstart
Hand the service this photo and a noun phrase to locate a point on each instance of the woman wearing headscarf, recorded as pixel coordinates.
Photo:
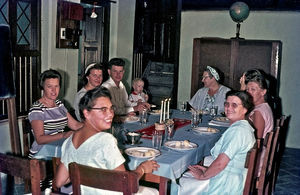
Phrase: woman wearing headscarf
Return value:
(212, 94)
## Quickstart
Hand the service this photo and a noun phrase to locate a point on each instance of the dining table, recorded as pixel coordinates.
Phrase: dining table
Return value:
(173, 162)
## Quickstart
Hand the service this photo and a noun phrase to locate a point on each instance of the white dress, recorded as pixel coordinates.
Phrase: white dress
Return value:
(99, 151)
(235, 142)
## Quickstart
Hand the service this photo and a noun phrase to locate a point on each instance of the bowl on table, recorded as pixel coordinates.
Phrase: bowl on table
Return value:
(133, 137)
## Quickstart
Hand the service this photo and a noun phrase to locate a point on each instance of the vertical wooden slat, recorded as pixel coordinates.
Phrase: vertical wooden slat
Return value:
(20, 83)
(30, 80)
(25, 83)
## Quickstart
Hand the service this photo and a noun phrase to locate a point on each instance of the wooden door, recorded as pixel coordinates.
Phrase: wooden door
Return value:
(233, 57)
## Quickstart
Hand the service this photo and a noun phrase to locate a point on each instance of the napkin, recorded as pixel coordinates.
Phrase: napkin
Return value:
(148, 131)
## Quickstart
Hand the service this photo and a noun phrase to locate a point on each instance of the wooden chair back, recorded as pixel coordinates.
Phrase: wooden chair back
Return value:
(34, 170)
(121, 181)
(266, 151)
(250, 164)
(27, 136)
(278, 144)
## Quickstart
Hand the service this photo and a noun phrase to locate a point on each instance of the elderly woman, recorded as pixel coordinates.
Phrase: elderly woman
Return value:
(226, 174)
(93, 77)
(261, 116)
(94, 147)
(212, 94)
(48, 116)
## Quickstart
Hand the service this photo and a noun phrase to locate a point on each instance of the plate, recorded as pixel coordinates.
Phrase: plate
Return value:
(155, 112)
(180, 145)
(131, 119)
(221, 119)
(142, 152)
(206, 130)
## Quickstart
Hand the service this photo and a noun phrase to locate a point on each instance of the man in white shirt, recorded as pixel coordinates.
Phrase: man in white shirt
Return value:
(117, 89)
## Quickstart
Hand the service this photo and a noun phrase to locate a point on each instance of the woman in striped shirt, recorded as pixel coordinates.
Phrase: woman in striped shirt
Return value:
(48, 116)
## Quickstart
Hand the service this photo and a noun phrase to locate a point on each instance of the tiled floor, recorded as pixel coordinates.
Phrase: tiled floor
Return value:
(288, 181)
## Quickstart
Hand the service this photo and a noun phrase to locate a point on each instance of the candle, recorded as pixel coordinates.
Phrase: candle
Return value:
(161, 111)
(168, 108)
(164, 114)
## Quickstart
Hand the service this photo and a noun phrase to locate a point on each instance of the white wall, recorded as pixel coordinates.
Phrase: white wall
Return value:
(64, 60)
(265, 25)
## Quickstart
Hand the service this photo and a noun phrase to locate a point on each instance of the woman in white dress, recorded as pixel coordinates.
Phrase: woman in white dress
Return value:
(94, 147)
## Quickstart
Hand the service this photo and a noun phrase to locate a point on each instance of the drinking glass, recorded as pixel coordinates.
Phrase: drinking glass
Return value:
(183, 106)
(169, 131)
(157, 137)
(143, 116)
(213, 111)
(195, 119)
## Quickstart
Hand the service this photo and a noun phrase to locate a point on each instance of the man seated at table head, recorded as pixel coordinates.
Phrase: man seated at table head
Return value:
(212, 94)
(117, 89)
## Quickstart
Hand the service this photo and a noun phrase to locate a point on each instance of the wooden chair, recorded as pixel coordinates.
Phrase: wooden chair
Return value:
(250, 164)
(121, 181)
(262, 180)
(27, 136)
(34, 170)
(278, 144)
(149, 177)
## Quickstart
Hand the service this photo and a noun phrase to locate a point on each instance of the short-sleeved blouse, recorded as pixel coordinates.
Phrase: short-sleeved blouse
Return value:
(106, 155)
(235, 142)
(201, 100)
(55, 120)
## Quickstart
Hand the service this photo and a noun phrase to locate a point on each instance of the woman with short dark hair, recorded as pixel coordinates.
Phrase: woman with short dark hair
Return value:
(94, 147)
(48, 116)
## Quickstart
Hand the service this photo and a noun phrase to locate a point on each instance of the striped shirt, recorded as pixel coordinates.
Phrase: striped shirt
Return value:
(55, 119)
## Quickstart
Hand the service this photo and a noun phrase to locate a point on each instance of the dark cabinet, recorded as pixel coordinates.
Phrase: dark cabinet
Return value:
(233, 57)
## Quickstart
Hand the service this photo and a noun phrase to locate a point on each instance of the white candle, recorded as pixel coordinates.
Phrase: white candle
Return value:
(168, 108)
(164, 114)
(161, 111)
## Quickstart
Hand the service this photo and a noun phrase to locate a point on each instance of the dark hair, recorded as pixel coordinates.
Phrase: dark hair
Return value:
(257, 76)
(245, 97)
(96, 66)
(87, 101)
(116, 62)
(49, 74)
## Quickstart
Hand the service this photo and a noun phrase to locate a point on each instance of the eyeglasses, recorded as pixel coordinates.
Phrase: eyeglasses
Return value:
(105, 109)
(233, 105)
(204, 77)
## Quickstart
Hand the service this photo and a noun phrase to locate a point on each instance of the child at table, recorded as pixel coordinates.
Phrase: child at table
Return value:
(137, 95)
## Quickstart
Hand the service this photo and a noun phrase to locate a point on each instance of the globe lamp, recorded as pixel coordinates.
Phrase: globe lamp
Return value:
(239, 12)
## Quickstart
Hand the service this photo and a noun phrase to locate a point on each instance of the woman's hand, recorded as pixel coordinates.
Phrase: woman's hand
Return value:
(197, 171)
(67, 134)
(149, 166)
(242, 82)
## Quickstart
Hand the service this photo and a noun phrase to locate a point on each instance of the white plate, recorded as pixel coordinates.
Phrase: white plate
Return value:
(206, 130)
(131, 119)
(142, 152)
(179, 145)
(155, 112)
(221, 119)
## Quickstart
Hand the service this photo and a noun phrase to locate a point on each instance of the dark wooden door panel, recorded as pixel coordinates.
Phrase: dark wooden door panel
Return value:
(235, 56)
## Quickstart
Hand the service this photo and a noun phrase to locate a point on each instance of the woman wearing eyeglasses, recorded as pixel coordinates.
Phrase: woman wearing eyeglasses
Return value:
(94, 147)
(212, 94)
(226, 174)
